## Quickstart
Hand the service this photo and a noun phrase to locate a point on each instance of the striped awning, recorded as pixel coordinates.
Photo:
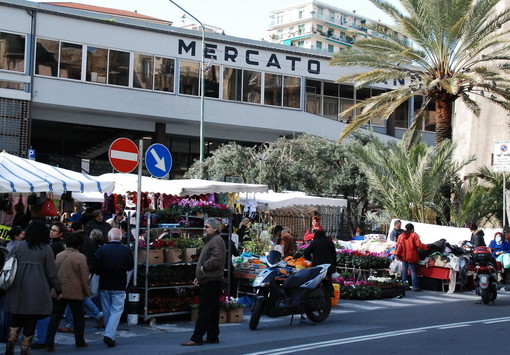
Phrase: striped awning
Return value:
(24, 175)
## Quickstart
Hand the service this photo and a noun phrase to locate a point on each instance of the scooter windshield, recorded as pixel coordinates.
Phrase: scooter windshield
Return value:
(273, 257)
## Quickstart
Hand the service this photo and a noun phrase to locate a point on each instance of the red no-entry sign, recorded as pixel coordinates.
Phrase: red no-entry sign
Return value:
(123, 155)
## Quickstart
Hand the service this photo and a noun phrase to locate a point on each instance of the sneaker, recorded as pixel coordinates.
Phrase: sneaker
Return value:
(109, 341)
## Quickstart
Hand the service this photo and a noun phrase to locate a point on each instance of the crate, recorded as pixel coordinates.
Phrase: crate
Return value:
(156, 256)
(235, 315)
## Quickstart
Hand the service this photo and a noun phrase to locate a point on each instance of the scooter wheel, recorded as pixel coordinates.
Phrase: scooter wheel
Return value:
(320, 313)
(485, 295)
(256, 314)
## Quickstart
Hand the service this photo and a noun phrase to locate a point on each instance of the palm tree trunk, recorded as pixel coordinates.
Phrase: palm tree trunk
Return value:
(443, 119)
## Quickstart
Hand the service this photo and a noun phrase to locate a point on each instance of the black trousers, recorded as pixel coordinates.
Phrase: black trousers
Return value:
(208, 312)
(25, 321)
(59, 308)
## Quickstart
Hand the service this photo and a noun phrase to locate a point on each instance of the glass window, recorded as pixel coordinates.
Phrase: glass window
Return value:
(362, 94)
(232, 83)
(429, 123)
(313, 103)
(347, 91)
(301, 29)
(212, 81)
(292, 91)
(70, 60)
(251, 86)
(46, 60)
(319, 27)
(313, 86)
(401, 116)
(344, 106)
(318, 45)
(97, 63)
(330, 48)
(330, 89)
(164, 74)
(331, 107)
(4, 84)
(301, 44)
(12, 52)
(188, 77)
(272, 89)
(143, 71)
(118, 68)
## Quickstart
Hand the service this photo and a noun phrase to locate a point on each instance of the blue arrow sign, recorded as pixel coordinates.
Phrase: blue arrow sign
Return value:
(158, 160)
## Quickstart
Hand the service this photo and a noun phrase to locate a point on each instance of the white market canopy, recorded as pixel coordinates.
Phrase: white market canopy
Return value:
(274, 200)
(180, 187)
(24, 175)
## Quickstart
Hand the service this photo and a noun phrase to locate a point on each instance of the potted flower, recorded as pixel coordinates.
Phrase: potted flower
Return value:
(233, 308)
(155, 252)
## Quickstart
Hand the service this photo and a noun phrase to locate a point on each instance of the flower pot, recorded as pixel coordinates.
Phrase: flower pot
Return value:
(188, 253)
(155, 256)
(235, 315)
(223, 316)
(172, 255)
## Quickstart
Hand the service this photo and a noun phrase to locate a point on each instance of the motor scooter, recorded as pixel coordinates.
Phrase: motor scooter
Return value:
(301, 293)
(485, 274)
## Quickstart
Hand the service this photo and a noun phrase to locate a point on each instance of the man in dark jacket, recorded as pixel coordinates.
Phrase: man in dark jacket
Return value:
(322, 251)
(477, 236)
(114, 260)
(210, 266)
(98, 223)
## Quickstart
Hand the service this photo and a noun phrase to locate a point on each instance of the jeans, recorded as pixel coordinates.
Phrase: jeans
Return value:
(208, 312)
(112, 303)
(89, 307)
(414, 277)
(59, 307)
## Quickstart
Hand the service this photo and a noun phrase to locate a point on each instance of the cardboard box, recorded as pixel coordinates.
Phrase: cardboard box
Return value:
(173, 255)
(188, 253)
(155, 256)
(223, 316)
(235, 315)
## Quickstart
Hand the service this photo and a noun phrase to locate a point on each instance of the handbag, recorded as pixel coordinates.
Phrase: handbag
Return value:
(8, 272)
(94, 285)
(48, 209)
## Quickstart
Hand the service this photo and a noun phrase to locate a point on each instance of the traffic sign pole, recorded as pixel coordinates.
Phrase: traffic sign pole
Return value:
(138, 211)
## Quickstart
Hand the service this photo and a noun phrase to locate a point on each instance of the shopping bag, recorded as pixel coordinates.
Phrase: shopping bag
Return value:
(48, 208)
(8, 273)
(94, 285)
(506, 261)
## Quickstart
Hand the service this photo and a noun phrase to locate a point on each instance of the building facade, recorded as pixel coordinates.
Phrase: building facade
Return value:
(322, 27)
(71, 82)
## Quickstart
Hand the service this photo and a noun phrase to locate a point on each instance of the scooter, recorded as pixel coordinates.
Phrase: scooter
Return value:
(485, 274)
(301, 293)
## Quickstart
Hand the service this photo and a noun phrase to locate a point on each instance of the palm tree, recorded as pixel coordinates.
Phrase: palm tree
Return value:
(453, 49)
(407, 179)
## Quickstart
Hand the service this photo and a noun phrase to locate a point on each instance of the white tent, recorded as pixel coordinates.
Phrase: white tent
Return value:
(274, 200)
(24, 175)
(181, 187)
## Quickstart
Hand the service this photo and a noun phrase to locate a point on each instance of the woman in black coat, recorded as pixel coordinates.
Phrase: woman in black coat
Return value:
(322, 251)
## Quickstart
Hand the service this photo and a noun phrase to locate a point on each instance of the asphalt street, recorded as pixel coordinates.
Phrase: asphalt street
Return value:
(427, 322)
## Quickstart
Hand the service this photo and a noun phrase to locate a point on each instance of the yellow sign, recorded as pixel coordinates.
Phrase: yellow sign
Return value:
(4, 232)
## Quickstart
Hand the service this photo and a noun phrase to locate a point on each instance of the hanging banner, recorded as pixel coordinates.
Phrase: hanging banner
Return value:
(4, 232)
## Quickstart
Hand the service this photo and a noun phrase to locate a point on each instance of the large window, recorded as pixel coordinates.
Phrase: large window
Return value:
(212, 81)
(378, 121)
(143, 71)
(97, 65)
(188, 78)
(292, 91)
(118, 68)
(46, 61)
(251, 86)
(401, 116)
(70, 60)
(164, 74)
(313, 96)
(272, 89)
(12, 52)
(232, 84)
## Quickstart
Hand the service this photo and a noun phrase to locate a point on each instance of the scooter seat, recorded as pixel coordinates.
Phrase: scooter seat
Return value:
(301, 277)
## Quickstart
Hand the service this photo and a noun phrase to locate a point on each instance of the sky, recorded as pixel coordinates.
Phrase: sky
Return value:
(240, 18)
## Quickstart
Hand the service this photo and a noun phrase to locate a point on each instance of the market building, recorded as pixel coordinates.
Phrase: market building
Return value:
(73, 80)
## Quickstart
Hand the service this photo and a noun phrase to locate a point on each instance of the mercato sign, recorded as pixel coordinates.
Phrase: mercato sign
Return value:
(249, 56)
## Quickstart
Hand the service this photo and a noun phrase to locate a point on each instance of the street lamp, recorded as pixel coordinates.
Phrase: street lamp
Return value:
(202, 84)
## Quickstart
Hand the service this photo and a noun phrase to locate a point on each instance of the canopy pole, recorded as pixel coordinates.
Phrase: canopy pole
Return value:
(138, 208)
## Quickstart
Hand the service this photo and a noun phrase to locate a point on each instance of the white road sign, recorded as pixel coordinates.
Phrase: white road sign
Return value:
(502, 156)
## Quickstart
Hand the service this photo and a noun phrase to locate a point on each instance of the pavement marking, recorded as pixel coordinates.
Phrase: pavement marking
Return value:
(497, 321)
(371, 337)
(438, 299)
(340, 311)
(359, 306)
(394, 303)
(417, 301)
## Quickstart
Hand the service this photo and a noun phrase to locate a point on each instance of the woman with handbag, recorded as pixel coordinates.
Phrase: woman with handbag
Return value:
(407, 247)
(28, 298)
